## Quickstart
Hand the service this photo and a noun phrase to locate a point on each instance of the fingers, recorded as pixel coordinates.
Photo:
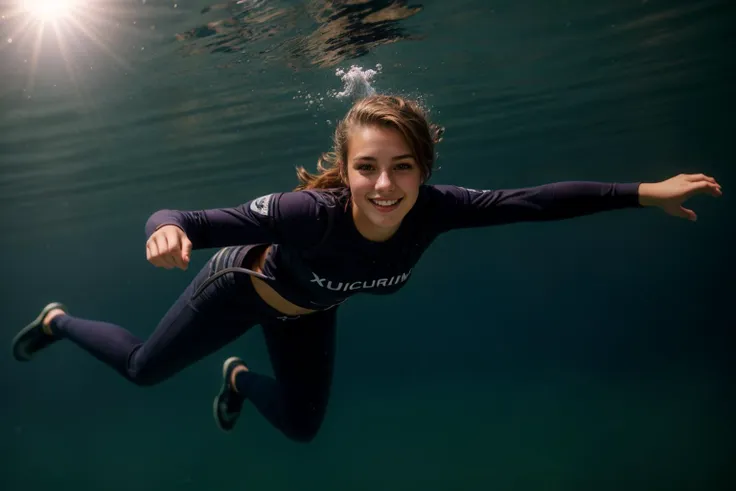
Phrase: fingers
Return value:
(175, 253)
(704, 187)
(153, 253)
(702, 184)
(169, 249)
(186, 251)
(165, 245)
(700, 177)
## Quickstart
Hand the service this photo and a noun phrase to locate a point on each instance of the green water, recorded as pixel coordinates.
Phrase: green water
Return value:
(588, 354)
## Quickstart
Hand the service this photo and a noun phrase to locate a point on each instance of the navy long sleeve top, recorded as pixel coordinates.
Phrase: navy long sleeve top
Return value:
(318, 258)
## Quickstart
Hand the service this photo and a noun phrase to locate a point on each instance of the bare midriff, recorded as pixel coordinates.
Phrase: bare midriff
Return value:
(268, 294)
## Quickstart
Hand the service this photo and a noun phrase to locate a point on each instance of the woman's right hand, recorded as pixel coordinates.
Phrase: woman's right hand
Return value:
(169, 247)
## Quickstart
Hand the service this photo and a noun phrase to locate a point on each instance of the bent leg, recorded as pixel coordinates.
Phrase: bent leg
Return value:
(302, 352)
(193, 327)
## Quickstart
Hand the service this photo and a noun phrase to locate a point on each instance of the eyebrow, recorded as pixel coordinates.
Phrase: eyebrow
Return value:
(373, 159)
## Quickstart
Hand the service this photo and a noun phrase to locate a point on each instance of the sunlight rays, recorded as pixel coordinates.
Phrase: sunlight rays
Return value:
(68, 19)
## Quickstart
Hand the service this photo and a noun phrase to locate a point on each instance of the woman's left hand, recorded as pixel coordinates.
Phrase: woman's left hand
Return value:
(672, 193)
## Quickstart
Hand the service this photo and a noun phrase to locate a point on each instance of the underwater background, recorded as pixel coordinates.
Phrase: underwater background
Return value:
(586, 354)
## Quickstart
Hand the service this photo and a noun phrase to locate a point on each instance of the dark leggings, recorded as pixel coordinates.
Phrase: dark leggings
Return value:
(207, 316)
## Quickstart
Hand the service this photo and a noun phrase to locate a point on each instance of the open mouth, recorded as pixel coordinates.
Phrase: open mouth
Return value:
(386, 205)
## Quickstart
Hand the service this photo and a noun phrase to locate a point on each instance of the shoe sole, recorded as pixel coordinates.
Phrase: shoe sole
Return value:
(216, 402)
(31, 326)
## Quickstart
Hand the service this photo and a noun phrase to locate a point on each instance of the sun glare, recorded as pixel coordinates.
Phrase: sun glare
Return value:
(68, 21)
(48, 10)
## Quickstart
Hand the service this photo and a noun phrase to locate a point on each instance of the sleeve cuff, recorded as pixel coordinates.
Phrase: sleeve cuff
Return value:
(630, 192)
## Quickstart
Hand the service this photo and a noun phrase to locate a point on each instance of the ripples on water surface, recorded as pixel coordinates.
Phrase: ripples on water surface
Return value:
(121, 92)
(118, 93)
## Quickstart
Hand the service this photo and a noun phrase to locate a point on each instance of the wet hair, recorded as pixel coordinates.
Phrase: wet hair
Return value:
(406, 116)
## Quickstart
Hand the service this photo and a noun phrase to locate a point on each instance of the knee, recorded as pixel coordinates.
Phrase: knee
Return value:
(143, 373)
(144, 378)
(304, 426)
(302, 434)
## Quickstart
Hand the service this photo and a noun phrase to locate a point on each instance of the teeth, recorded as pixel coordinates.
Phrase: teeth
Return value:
(385, 203)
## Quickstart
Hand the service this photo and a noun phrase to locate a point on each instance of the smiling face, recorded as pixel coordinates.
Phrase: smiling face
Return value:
(384, 179)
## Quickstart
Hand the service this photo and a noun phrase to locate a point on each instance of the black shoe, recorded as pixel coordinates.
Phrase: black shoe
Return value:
(31, 338)
(228, 403)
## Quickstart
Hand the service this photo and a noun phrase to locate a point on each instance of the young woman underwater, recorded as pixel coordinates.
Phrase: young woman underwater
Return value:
(357, 226)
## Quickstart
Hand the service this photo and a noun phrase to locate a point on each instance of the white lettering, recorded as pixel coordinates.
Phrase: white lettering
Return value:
(317, 280)
(359, 285)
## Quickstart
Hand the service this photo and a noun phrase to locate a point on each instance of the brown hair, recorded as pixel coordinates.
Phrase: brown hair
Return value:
(395, 112)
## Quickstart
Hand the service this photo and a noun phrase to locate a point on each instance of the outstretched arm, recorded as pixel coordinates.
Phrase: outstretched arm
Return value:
(458, 207)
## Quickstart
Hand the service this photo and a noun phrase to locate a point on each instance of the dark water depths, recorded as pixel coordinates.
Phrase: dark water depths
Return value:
(587, 354)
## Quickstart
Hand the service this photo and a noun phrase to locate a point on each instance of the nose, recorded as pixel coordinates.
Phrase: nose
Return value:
(384, 182)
